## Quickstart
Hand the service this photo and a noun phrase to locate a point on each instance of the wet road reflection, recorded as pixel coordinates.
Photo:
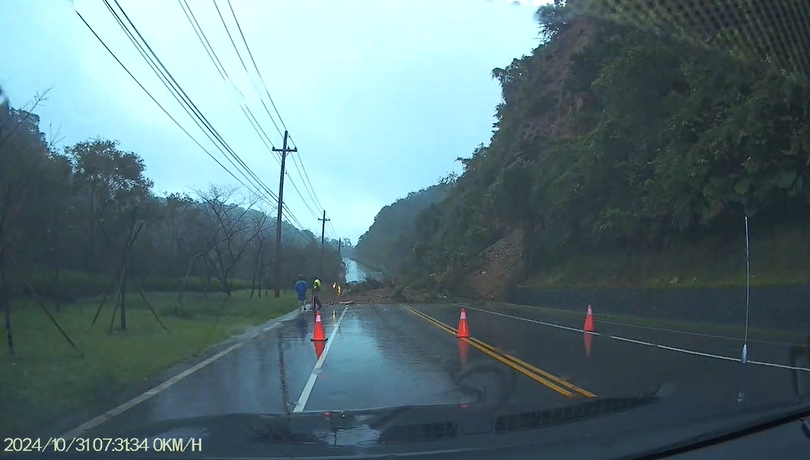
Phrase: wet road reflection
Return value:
(382, 356)
(390, 356)
(689, 365)
(357, 272)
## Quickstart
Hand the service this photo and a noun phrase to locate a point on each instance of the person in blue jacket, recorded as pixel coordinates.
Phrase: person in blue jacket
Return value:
(301, 288)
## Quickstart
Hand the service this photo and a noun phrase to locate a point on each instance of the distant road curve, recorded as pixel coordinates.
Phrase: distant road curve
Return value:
(363, 272)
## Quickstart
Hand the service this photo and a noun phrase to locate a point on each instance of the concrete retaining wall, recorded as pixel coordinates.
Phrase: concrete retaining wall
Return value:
(781, 308)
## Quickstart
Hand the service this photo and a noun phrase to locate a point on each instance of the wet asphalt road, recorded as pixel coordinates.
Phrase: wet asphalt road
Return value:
(393, 355)
(356, 272)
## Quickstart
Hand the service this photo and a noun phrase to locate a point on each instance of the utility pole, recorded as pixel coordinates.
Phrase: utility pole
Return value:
(323, 230)
(284, 151)
(340, 242)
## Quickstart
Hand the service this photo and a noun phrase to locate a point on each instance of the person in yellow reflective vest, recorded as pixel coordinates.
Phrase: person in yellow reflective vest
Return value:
(316, 289)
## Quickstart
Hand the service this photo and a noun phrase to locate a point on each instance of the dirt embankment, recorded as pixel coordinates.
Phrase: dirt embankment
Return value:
(386, 293)
(389, 295)
(501, 266)
(372, 296)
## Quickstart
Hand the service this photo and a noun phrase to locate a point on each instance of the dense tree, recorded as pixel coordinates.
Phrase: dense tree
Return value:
(74, 223)
(614, 135)
(387, 243)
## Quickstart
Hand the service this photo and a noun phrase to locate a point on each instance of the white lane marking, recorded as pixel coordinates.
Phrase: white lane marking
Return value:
(667, 347)
(144, 396)
(781, 366)
(698, 353)
(152, 392)
(302, 400)
(639, 342)
(707, 355)
(661, 329)
(699, 334)
(529, 320)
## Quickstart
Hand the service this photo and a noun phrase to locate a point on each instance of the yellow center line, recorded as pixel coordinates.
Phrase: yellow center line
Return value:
(545, 374)
(524, 368)
(495, 355)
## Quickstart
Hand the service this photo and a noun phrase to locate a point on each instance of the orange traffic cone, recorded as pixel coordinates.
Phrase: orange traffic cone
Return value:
(318, 334)
(589, 321)
(463, 330)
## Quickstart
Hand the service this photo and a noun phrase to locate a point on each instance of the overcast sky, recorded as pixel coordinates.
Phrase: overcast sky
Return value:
(380, 96)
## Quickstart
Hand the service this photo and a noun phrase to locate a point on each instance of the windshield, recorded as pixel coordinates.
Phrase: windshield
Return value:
(567, 215)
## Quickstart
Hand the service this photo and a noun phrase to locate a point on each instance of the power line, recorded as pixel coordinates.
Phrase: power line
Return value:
(308, 189)
(188, 105)
(178, 88)
(239, 55)
(307, 183)
(258, 72)
(295, 187)
(156, 101)
(209, 127)
(178, 93)
(202, 37)
(212, 55)
(334, 232)
(229, 36)
(244, 40)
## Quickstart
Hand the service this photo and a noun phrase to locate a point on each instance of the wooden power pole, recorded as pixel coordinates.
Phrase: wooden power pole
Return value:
(323, 230)
(284, 151)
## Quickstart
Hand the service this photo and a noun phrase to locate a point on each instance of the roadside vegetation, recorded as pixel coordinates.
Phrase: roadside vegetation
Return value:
(104, 282)
(627, 156)
(779, 257)
(390, 238)
(49, 379)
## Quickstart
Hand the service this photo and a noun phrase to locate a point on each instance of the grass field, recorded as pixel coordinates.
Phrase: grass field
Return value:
(48, 379)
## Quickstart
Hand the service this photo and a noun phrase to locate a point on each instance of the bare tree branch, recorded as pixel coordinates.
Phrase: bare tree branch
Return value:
(38, 98)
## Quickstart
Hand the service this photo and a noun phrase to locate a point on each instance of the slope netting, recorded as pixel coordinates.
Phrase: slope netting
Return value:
(775, 32)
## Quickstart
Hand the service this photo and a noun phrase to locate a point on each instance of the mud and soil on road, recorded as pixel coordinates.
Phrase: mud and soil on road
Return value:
(379, 292)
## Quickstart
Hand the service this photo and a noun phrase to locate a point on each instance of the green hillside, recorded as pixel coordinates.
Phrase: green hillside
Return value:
(390, 239)
(630, 157)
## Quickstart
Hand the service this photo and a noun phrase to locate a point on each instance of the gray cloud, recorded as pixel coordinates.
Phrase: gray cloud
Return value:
(380, 96)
